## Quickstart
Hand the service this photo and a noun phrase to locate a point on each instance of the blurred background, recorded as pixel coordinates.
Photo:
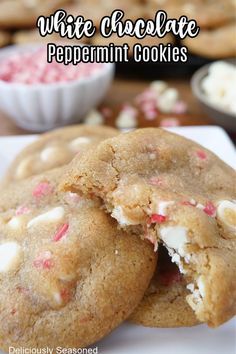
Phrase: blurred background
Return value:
(146, 94)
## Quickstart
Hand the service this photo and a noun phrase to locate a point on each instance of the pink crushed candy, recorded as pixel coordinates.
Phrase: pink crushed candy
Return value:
(22, 210)
(188, 203)
(180, 107)
(169, 122)
(61, 232)
(151, 114)
(65, 294)
(42, 189)
(156, 181)
(201, 154)
(210, 209)
(31, 67)
(146, 96)
(44, 261)
(157, 219)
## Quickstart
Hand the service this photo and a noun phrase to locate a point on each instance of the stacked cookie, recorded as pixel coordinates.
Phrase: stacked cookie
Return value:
(215, 18)
(79, 240)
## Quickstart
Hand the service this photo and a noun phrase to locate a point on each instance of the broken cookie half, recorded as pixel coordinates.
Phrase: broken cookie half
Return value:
(176, 193)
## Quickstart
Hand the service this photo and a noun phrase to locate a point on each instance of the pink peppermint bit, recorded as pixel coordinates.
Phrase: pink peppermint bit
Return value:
(188, 203)
(42, 189)
(169, 122)
(22, 210)
(61, 232)
(201, 154)
(157, 219)
(156, 181)
(65, 294)
(180, 107)
(44, 261)
(210, 209)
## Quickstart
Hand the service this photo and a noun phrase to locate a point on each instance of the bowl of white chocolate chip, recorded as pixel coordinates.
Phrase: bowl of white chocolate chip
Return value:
(214, 87)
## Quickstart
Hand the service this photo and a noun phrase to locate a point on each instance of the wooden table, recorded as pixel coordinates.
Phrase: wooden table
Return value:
(124, 91)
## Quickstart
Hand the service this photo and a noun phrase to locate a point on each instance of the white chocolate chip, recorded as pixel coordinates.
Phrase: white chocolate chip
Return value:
(163, 206)
(226, 212)
(53, 215)
(75, 144)
(158, 86)
(94, 118)
(48, 153)
(200, 206)
(9, 256)
(15, 223)
(167, 100)
(201, 286)
(118, 214)
(23, 168)
(126, 120)
(174, 237)
(190, 287)
(57, 298)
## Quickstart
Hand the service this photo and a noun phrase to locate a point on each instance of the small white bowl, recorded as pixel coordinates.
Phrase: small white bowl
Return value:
(40, 107)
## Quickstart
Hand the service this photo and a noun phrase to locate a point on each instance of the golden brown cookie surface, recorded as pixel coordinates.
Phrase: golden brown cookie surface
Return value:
(215, 43)
(164, 303)
(67, 275)
(24, 13)
(207, 13)
(54, 149)
(177, 193)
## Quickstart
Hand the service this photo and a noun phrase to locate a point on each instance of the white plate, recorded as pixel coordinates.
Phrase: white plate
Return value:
(130, 339)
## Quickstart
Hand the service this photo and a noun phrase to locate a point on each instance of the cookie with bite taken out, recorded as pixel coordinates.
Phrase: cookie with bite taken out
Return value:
(173, 192)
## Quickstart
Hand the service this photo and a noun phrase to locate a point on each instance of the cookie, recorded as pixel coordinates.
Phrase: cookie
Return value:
(164, 303)
(131, 41)
(215, 43)
(96, 10)
(5, 38)
(177, 193)
(24, 13)
(67, 275)
(33, 36)
(54, 149)
(207, 13)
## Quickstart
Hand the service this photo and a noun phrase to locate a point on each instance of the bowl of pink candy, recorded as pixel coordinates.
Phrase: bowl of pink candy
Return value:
(40, 96)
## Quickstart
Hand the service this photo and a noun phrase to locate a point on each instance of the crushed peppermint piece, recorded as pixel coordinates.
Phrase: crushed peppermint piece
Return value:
(201, 154)
(22, 210)
(169, 122)
(31, 67)
(65, 294)
(42, 189)
(157, 219)
(156, 181)
(44, 261)
(61, 232)
(210, 209)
